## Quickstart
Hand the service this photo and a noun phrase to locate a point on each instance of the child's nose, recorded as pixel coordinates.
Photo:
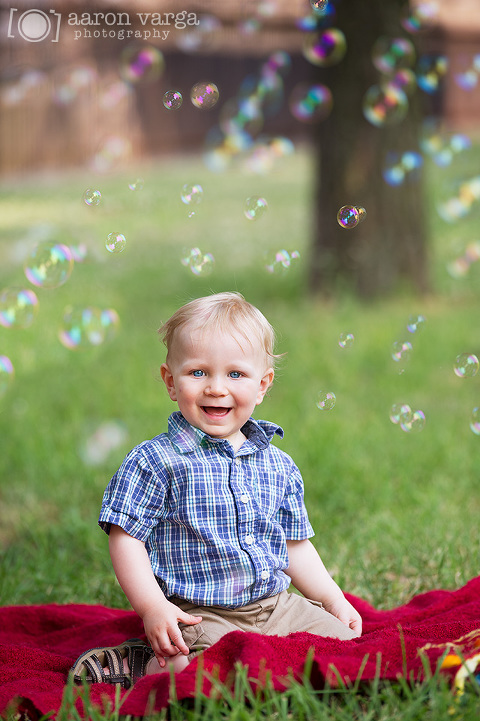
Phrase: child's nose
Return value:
(216, 387)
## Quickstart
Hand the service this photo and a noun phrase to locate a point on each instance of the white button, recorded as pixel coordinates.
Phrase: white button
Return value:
(244, 498)
(249, 540)
(237, 461)
(264, 575)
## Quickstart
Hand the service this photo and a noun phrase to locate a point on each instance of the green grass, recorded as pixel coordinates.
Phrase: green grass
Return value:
(395, 513)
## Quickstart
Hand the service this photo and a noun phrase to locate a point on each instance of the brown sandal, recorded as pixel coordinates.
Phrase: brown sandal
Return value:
(89, 665)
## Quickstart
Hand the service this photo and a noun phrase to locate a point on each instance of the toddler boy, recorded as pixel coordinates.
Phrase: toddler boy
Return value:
(207, 524)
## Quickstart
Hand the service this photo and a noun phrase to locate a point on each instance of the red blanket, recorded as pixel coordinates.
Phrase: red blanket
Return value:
(38, 645)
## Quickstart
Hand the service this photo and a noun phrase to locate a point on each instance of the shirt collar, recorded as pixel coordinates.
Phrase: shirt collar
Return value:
(186, 438)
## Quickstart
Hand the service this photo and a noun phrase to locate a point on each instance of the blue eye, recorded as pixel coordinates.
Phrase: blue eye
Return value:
(197, 374)
(235, 374)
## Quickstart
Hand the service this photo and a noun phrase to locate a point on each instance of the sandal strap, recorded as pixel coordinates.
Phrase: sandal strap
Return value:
(138, 657)
(94, 668)
(117, 673)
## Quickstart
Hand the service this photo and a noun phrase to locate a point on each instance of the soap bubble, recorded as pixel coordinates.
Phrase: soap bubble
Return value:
(466, 365)
(115, 242)
(319, 6)
(7, 373)
(419, 17)
(401, 351)
(326, 400)
(416, 323)
(92, 197)
(310, 103)
(349, 216)
(18, 307)
(172, 100)
(415, 423)
(141, 64)
(85, 327)
(136, 184)
(199, 263)
(399, 167)
(49, 265)
(204, 95)
(475, 421)
(345, 340)
(109, 436)
(255, 207)
(192, 194)
(384, 104)
(400, 413)
(325, 48)
(281, 261)
(431, 69)
(391, 55)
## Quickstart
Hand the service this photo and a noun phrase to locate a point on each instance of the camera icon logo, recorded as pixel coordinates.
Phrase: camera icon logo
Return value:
(34, 25)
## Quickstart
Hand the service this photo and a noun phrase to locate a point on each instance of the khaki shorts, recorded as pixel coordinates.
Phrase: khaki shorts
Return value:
(277, 616)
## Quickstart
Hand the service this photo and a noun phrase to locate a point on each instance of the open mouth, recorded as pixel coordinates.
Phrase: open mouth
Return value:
(216, 411)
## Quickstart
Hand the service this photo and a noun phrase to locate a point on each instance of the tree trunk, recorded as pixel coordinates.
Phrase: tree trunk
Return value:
(390, 244)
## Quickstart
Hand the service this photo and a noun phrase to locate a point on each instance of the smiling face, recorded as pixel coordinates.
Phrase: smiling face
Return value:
(217, 379)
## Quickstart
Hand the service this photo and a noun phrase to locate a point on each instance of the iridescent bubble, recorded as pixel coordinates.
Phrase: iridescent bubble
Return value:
(345, 340)
(172, 100)
(109, 436)
(384, 104)
(281, 261)
(18, 307)
(430, 71)
(467, 80)
(391, 55)
(136, 184)
(401, 351)
(466, 365)
(110, 322)
(49, 265)
(326, 400)
(199, 263)
(405, 79)
(415, 423)
(325, 48)
(204, 95)
(400, 413)
(310, 103)
(349, 216)
(475, 421)
(82, 328)
(115, 242)
(255, 207)
(92, 197)
(7, 373)
(416, 323)
(141, 64)
(419, 17)
(192, 194)
(319, 6)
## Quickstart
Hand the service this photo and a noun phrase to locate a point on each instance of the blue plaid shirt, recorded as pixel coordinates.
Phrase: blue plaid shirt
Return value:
(214, 522)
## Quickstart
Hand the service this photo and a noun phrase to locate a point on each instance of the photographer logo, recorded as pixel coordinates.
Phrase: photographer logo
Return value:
(34, 25)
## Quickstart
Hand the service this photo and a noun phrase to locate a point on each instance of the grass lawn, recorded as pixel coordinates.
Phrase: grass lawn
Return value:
(395, 512)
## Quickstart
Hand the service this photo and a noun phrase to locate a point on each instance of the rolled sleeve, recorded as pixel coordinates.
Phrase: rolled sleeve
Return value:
(292, 514)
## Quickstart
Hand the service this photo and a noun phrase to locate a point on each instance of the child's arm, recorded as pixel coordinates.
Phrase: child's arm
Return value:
(311, 578)
(160, 617)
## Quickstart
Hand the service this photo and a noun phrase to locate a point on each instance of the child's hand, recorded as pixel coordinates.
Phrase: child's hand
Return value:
(161, 626)
(345, 613)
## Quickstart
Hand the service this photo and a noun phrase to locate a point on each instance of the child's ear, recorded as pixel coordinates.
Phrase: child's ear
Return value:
(167, 377)
(265, 384)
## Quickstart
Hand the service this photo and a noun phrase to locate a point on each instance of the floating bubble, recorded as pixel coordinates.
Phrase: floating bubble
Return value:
(431, 69)
(49, 265)
(110, 322)
(475, 421)
(319, 6)
(391, 55)
(466, 365)
(349, 216)
(191, 214)
(172, 100)
(115, 242)
(310, 103)
(92, 197)
(204, 95)
(399, 167)
(109, 436)
(199, 263)
(110, 152)
(415, 423)
(325, 48)
(467, 80)
(326, 400)
(404, 79)
(419, 17)
(345, 340)
(141, 64)
(7, 373)
(416, 323)
(83, 327)
(281, 261)
(255, 207)
(400, 413)
(401, 351)
(192, 194)
(18, 307)
(385, 104)
(136, 184)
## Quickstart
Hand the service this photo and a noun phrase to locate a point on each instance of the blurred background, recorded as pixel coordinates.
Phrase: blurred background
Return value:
(320, 157)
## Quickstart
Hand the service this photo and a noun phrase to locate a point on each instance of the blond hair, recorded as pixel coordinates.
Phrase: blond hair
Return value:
(221, 311)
